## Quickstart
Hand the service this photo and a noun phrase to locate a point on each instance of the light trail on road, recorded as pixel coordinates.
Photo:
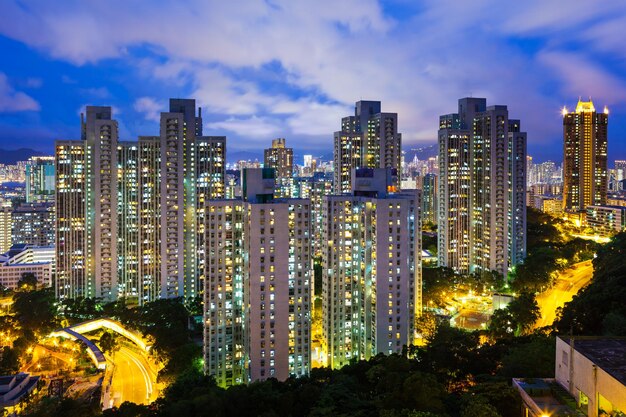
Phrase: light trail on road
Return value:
(566, 286)
(131, 380)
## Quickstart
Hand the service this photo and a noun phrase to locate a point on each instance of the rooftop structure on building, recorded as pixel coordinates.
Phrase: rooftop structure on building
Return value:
(590, 380)
(369, 139)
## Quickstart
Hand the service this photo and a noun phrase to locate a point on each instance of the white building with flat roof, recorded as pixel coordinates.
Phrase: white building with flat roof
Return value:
(606, 220)
(26, 259)
(589, 379)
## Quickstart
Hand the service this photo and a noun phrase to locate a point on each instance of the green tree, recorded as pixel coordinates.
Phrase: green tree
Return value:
(516, 319)
(28, 282)
(35, 310)
(438, 283)
(317, 275)
(9, 361)
(81, 309)
(108, 343)
(599, 307)
(422, 392)
(501, 324)
(533, 358)
(194, 306)
(166, 321)
(525, 312)
(479, 407)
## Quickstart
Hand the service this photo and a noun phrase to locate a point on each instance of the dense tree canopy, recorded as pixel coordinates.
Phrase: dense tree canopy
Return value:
(516, 319)
(36, 310)
(550, 249)
(599, 308)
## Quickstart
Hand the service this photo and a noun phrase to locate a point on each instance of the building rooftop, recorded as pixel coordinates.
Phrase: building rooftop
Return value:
(608, 353)
(547, 397)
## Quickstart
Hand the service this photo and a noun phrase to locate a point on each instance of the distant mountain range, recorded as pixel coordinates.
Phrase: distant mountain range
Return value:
(422, 152)
(10, 157)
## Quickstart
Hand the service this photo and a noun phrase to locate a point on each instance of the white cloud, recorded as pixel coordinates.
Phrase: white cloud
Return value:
(14, 101)
(331, 53)
(313, 118)
(34, 82)
(251, 127)
(97, 92)
(149, 107)
(582, 77)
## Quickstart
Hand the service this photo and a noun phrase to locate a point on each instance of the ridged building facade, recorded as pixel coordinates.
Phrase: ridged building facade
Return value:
(482, 176)
(128, 218)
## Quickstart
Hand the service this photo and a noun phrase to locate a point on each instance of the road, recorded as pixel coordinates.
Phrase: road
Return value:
(567, 285)
(133, 379)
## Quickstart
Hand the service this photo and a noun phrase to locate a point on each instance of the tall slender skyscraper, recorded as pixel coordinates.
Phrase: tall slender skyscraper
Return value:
(280, 158)
(371, 263)
(429, 198)
(369, 139)
(5, 226)
(86, 203)
(128, 216)
(482, 209)
(257, 296)
(584, 157)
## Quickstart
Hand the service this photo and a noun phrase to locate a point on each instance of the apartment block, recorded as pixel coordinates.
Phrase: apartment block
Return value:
(369, 139)
(130, 213)
(482, 189)
(371, 248)
(584, 157)
(257, 294)
(33, 223)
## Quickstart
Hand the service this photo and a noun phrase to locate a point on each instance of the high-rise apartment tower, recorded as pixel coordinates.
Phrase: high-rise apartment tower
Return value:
(482, 186)
(584, 157)
(369, 139)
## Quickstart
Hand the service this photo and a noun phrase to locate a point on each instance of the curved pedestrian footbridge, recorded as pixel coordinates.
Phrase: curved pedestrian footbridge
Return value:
(76, 331)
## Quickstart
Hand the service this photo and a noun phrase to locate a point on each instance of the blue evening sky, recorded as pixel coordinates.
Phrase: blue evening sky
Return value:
(285, 68)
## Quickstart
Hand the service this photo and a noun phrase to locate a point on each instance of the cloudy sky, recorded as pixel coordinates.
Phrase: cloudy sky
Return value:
(291, 68)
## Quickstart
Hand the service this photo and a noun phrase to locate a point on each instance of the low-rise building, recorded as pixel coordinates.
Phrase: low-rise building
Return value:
(590, 380)
(616, 200)
(33, 223)
(13, 389)
(606, 220)
(26, 259)
(549, 204)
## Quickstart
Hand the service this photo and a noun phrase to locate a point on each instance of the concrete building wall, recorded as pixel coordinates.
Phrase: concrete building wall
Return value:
(10, 274)
(71, 277)
(258, 285)
(5, 228)
(454, 200)
(586, 381)
(371, 271)
(482, 195)
(33, 223)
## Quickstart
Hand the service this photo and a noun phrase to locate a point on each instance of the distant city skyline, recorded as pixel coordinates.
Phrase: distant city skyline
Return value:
(323, 57)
